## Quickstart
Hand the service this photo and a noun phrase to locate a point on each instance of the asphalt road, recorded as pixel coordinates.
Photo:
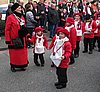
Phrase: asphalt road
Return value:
(83, 76)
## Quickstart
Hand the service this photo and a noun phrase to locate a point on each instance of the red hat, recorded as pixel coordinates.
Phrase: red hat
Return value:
(58, 28)
(65, 31)
(78, 14)
(37, 29)
(70, 20)
(59, 2)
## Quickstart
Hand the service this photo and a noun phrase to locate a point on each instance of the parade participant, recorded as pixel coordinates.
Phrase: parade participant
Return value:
(14, 23)
(72, 35)
(90, 27)
(60, 56)
(40, 42)
(51, 45)
(97, 32)
(80, 27)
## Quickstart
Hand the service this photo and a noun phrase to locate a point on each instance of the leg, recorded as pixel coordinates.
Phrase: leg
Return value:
(90, 45)
(41, 57)
(94, 41)
(76, 51)
(62, 77)
(72, 60)
(36, 59)
(85, 45)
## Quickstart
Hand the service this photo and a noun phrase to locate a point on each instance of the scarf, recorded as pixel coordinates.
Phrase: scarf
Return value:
(68, 28)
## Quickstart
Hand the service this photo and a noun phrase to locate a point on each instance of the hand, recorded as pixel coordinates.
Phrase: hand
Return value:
(63, 57)
(0, 38)
(29, 38)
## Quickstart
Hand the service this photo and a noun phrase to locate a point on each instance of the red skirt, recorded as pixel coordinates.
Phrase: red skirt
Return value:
(18, 57)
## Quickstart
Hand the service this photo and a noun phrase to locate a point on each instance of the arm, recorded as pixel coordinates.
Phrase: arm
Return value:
(68, 50)
(45, 42)
(7, 30)
(52, 43)
(73, 38)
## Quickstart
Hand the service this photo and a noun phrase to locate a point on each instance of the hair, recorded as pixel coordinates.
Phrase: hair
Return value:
(28, 6)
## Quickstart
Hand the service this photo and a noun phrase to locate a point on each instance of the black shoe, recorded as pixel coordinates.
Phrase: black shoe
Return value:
(42, 65)
(37, 64)
(57, 83)
(90, 52)
(76, 56)
(98, 50)
(85, 51)
(13, 69)
(61, 86)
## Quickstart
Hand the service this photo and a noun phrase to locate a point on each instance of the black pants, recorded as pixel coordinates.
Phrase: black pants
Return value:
(41, 57)
(76, 51)
(96, 39)
(61, 75)
(88, 42)
(72, 60)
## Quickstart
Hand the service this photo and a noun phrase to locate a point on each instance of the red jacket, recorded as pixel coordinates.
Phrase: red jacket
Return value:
(98, 28)
(67, 52)
(73, 37)
(11, 29)
(33, 39)
(93, 24)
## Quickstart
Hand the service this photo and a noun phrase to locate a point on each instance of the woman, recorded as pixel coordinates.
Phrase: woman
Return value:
(30, 21)
(14, 23)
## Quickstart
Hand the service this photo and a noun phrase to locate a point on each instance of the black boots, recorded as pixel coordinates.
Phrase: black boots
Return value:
(13, 69)
(60, 85)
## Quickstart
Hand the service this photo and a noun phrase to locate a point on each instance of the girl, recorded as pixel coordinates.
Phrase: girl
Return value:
(40, 42)
(60, 56)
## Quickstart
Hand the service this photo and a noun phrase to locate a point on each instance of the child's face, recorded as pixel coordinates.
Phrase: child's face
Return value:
(61, 35)
(39, 33)
(77, 17)
(68, 24)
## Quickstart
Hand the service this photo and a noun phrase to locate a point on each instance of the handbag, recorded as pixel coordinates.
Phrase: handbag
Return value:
(17, 43)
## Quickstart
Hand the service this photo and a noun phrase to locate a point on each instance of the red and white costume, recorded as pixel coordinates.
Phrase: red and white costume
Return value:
(62, 47)
(90, 27)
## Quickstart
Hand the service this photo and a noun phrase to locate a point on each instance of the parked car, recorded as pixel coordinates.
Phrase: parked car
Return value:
(3, 9)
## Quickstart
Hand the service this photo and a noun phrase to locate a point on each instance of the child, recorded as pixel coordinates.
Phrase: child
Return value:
(97, 32)
(90, 27)
(40, 42)
(80, 27)
(60, 56)
(72, 36)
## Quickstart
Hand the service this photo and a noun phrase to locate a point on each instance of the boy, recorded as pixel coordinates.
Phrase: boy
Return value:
(72, 36)
(90, 27)
(80, 27)
(60, 56)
